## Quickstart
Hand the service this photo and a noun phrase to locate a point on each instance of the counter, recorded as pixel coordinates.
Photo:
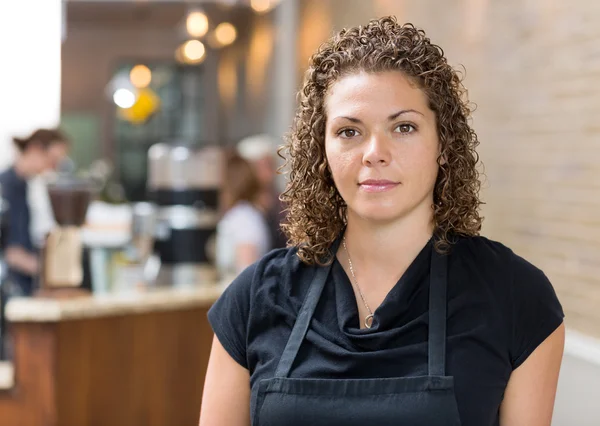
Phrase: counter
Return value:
(134, 358)
(125, 303)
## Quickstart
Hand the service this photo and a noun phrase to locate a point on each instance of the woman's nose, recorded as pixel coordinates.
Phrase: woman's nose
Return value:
(377, 151)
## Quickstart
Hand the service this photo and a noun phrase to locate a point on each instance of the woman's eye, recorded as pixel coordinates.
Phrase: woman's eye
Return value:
(347, 133)
(405, 128)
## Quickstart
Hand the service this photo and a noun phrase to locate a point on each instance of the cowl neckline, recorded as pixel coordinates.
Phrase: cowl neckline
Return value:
(403, 310)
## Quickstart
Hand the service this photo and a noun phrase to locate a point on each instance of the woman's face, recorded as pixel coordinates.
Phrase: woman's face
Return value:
(47, 159)
(57, 152)
(382, 146)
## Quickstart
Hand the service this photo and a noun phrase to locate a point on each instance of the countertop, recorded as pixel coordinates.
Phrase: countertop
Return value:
(34, 309)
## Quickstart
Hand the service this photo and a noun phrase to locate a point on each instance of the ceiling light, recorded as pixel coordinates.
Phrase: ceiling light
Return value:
(225, 34)
(140, 76)
(261, 6)
(124, 98)
(191, 52)
(196, 24)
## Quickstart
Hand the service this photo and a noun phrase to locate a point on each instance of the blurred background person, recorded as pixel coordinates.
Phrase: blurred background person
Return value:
(242, 234)
(41, 152)
(260, 151)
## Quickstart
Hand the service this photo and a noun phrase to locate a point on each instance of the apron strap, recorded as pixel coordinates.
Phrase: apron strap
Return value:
(437, 313)
(304, 317)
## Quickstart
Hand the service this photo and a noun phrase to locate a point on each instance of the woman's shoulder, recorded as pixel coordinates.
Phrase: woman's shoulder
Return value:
(279, 269)
(516, 287)
(481, 247)
(243, 215)
(242, 208)
(501, 268)
(9, 178)
(263, 291)
(493, 255)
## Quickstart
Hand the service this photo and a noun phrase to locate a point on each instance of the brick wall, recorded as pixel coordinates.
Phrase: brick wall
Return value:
(533, 69)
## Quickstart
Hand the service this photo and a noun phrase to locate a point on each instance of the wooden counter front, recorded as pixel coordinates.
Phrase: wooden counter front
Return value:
(136, 359)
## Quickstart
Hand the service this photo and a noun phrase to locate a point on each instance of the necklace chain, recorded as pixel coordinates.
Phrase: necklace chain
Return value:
(368, 318)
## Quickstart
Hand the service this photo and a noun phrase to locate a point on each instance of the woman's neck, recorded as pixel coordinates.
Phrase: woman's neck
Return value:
(390, 246)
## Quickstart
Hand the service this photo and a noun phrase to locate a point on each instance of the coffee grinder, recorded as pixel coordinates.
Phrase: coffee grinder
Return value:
(62, 255)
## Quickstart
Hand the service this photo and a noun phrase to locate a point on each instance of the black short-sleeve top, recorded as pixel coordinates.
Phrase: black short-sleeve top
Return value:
(500, 308)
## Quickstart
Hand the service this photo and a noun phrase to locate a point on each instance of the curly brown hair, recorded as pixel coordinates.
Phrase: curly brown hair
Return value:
(316, 213)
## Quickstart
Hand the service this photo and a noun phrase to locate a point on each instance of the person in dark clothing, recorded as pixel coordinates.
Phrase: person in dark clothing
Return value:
(388, 308)
(40, 152)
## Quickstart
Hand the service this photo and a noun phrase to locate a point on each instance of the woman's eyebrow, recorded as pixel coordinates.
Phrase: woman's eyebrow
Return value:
(352, 119)
(390, 118)
(402, 112)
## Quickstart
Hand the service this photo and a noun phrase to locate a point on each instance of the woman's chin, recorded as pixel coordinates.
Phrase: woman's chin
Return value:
(379, 214)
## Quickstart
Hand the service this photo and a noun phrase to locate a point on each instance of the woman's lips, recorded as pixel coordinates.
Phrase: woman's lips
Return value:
(373, 185)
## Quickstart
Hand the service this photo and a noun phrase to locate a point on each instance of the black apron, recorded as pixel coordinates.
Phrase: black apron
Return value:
(411, 401)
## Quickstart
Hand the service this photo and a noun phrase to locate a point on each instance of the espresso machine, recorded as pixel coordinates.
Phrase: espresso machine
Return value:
(62, 271)
(184, 184)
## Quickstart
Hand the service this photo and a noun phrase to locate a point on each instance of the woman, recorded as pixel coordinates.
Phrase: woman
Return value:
(389, 308)
(260, 152)
(242, 234)
(42, 151)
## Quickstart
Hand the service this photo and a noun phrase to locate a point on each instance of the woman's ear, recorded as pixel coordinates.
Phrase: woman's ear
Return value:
(442, 160)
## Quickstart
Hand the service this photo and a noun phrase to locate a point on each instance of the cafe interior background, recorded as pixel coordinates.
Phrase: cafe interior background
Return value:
(149, 92)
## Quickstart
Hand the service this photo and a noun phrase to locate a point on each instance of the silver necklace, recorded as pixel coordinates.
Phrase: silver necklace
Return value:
(368, 318)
